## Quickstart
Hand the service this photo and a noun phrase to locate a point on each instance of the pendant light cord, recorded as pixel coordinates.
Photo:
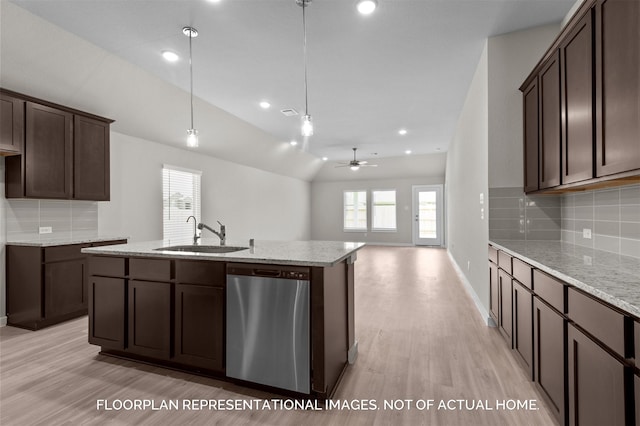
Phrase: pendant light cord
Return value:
(304, 50)
(191, 74)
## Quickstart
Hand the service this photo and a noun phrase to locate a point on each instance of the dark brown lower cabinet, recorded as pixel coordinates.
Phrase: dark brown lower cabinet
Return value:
(199, 327)
(64, 287)
(494, 298)
(596, 383)
(150, 318)
(505, 315)
(549, 337)
(523, 325)
(107, 312)
(636, 385)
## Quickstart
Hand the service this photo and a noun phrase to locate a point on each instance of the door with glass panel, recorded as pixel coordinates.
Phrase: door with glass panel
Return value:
(427, 215)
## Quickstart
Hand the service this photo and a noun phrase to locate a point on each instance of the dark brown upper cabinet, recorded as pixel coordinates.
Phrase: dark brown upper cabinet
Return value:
(576, 59)
(617, 72)
(65, 152)
(531, 129)
(90, 159)
(550, 134)
(588, 114)
(11, 125)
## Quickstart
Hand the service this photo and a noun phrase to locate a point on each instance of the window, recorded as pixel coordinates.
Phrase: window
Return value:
(355, 210)
(384, 210)
(180, 199)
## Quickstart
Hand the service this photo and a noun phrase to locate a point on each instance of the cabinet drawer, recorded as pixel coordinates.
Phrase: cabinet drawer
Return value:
(493, 254)
(599, 320)
(522, 273)
(199, 272)
(150, 269)
(107, 266)
(504, 262)
(68, 252)
(550, 290)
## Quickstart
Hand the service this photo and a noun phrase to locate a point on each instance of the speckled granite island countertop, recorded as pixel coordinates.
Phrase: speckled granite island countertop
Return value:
(302, 253)
(608, 276)
(63, 241)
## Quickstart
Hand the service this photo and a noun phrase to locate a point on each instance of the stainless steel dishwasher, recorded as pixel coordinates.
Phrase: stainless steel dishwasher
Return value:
(268, 325)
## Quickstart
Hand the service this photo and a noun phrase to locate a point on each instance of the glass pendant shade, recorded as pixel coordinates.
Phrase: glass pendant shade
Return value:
(307, 126)
(192, 138)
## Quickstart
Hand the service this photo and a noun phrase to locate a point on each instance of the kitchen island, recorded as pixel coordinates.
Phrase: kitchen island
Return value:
(165, 303)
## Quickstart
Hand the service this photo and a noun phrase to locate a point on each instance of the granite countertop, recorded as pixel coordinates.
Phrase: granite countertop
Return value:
(611, 277)
(48, 241)
(303, 253)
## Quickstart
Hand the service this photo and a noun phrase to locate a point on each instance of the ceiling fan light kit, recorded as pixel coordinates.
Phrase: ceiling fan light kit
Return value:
(355, 164)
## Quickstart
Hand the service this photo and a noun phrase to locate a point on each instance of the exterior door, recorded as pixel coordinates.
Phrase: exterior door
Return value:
(427, 215)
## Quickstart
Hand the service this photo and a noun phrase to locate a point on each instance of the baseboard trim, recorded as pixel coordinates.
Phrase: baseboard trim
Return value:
(471, 292)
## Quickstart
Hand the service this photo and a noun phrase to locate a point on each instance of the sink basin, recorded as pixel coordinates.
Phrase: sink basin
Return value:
(203, 249)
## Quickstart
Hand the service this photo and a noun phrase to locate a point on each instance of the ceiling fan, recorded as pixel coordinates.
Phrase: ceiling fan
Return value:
(356, 164)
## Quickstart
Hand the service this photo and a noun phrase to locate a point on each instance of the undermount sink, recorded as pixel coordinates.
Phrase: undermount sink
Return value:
(203, 249)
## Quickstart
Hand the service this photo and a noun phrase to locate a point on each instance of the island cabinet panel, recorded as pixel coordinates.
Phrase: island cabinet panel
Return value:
(494, 292)
(550, 124)
(576, 52)
(523, 325)
(531, 136)
(90, 159)
(596, 383)
(150, 269)
(107, 310)
(199, 326)
(48, 151)
(549, 339)
(505, 313)
(150, 305)
(11, 124)
(617, 72)
(64, 287)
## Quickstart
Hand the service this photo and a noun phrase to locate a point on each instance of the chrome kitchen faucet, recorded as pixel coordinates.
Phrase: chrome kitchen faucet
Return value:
(222, 234)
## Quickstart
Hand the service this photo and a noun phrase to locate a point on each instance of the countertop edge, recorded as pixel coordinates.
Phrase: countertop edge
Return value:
(66, 242)
(605, 297)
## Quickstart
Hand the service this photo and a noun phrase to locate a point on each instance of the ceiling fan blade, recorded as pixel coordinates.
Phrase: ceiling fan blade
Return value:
(368, 165)
(363, 162)
(343, 165)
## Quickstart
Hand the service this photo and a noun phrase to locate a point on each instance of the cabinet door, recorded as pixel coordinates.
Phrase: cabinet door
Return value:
(596, 383)
(505, 315)
(150, 319)
(199, 334)
(550, 123)
(64, 290)
(11, 124)
(494, 293)
(107, 312)
(531, 128)
(577, 102)
(617, 29)
(523, 325)
(91, 159)
(48, 152)
(549, 331)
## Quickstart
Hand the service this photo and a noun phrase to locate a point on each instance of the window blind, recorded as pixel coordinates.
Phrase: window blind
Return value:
(355, 210)
(180, 199)
(384, 210)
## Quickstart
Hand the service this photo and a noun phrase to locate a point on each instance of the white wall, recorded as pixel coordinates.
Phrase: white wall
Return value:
(252, 203)
(327, 204)
(511, 57)
(466, 177)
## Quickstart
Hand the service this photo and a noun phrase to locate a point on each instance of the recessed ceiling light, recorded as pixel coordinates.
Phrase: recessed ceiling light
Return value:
(170, 56)
(213, 1)
(264, 104)
(293, 143)
(408, 151)
(325, 158)
(366, 7)
(402, 132)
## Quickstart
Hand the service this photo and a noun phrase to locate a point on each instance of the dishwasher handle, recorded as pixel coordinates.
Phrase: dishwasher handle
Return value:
(271, 273)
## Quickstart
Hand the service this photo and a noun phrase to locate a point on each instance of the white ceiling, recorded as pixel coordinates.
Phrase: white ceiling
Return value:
(408, 65)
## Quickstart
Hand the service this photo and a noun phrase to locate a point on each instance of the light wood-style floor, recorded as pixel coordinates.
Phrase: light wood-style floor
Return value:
(420, 338)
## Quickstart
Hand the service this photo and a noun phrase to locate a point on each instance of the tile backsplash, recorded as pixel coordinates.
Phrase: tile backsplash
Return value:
(66, 218)
(612, 216)
(513, 215)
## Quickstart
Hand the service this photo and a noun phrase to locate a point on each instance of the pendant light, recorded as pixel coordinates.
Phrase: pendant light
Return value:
(192, 133)
(307, 124)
